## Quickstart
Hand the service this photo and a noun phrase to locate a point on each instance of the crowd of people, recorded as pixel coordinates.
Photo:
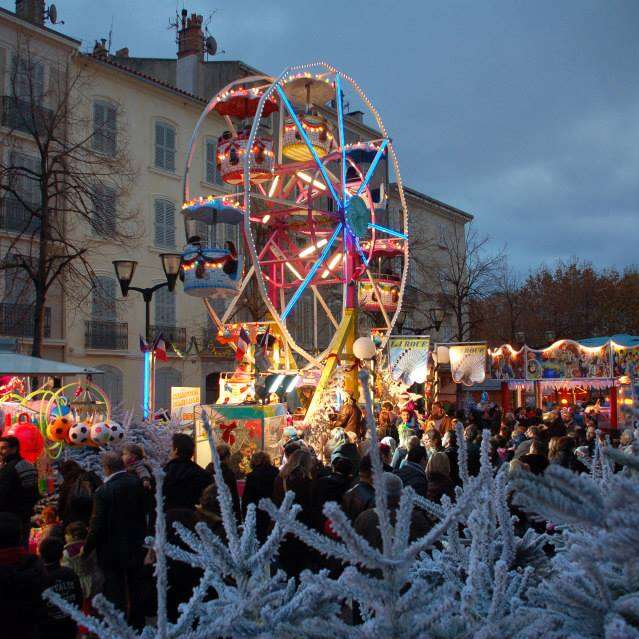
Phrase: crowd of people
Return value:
(93, 541)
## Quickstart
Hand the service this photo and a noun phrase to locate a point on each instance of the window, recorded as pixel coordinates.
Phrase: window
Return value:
(103, 303)
(111, 383)
(104, 127)
(27, 78)
(442, 235)
(19, 206)
(104, 210)
(211, 174)
(165, 146)
(164, 307)
(164, 223)
(18, 287)
(164, 379)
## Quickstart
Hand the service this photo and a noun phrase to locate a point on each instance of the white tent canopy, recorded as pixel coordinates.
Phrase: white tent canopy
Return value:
(14, 364)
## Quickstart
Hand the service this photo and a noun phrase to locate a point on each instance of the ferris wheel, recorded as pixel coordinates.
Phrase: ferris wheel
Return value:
(311, 196)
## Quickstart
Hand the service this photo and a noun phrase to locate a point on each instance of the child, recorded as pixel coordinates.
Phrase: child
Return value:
(85, 567)
(133, 458)
(64, 582)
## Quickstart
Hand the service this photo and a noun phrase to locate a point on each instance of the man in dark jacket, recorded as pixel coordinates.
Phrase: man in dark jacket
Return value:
(360, 497)
(64, 582)
(412, 472)
(259, 484)
(18, 484)
(351, 419)
(116, 533)
(332, 487)
(224, 453)
(22, 581)
(184, 480)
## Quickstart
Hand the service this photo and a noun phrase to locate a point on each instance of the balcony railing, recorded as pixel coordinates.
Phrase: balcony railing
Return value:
(174, 334)
(22, 115)
(15, 218)
(16, 320)
(107, 335)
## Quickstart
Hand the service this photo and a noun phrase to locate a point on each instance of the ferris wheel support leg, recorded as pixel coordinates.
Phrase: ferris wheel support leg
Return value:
(339, 347)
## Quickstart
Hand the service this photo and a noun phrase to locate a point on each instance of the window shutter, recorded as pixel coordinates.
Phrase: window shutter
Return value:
(159, 223)
(165, 313)
(211, 172)
(111, 124)
(169, 221)
(3, 71)
(159, 145)
(98, 124)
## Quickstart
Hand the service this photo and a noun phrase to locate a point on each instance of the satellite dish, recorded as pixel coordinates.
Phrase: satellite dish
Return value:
(53, 14)
(210, 44)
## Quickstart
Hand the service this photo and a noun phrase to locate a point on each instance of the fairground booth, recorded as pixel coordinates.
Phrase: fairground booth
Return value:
(602, 369)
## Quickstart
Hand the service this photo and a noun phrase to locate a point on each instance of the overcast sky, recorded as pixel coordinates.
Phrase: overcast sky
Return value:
(523, 113)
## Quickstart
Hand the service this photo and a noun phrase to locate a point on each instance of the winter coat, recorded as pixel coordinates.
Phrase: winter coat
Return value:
(350, 418)
(183, 484)
(22, 580)
(359, 498)
(231, 482)
(18, 488)
(567, 459)
(76, 497)
(439, 485)
(330, 488)
(453, 459)
(64, 582)
(445, 424)
(118, 524)
(413, 475)
(536, 463)
(259, 484)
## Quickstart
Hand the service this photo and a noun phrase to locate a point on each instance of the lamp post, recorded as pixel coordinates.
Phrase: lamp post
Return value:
(124, 270)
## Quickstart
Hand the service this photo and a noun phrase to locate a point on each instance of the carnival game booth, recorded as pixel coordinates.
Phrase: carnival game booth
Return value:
(569, 371)
(246, 428)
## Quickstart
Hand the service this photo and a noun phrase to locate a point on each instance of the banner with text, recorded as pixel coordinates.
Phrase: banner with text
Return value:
(408, 358)
(468, 363)
(184, 399)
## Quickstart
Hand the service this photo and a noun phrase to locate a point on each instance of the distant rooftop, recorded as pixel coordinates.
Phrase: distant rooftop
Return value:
(437, 203)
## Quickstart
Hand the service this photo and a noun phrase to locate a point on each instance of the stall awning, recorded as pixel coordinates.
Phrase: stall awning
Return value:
(14, 364)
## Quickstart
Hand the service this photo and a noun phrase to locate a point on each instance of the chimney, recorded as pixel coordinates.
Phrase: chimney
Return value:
(100, 49)
(190, 52)
(31, 11)
(358, 116)
(122, 53)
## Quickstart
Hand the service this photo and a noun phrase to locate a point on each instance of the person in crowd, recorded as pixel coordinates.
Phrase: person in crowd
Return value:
(289, 448)
(401, 451)
(533, 433)
(386, 452)
(64, 582)
(224, 453)
(407, 426)
(116, 532)
(518, 435)
(341, 443)
(259, 484)
(134, 462)
(473, 448)
(332, 487)
(535, 458)
(561, 451)
(433, 441)
(591, 437)
(627, 443)
(390, 412)
(412, 472)
(209, 511)
(449, 442)
(298, 476)
(361, 496)
(386, 425)
(568, 419)
(367, 523)
(85, 565)
(184, 480)
(182, 577)
(350, 418)
(438, 477)
(18, 484)
(439, 420)
(50, 524)
(75, 501)
(22, 580)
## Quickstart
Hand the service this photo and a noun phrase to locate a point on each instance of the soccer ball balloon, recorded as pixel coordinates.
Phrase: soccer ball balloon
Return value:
(116, 432)
(79, 434)
(57, 430)
(100, 433)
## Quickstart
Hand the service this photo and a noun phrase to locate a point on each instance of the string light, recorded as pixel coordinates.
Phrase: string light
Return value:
(273, 186)
(311, 249)
(309, 180)
(266, 218)
(293, 270)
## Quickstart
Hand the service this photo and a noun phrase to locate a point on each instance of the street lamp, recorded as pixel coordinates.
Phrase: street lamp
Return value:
(124, 271)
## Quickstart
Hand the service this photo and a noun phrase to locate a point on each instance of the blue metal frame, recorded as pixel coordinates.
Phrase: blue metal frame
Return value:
(146, 391)
(372, 167)
(342, 135)
(391, 232)
(311, 274)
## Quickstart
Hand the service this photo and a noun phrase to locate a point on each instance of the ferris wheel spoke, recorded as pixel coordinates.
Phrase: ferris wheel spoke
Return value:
(372, 167)
(342, 137)
(312, 150)
(378, 295)
(391, 232)
(311, 274)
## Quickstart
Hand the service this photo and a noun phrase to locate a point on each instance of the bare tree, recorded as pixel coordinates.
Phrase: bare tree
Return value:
(466, 271)
(62, 174)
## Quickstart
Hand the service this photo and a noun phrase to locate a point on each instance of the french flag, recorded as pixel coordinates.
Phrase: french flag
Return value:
(159, 349)
(243, 342)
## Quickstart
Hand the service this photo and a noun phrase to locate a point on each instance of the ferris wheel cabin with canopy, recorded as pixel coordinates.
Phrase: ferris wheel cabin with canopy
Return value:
(311, 201)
